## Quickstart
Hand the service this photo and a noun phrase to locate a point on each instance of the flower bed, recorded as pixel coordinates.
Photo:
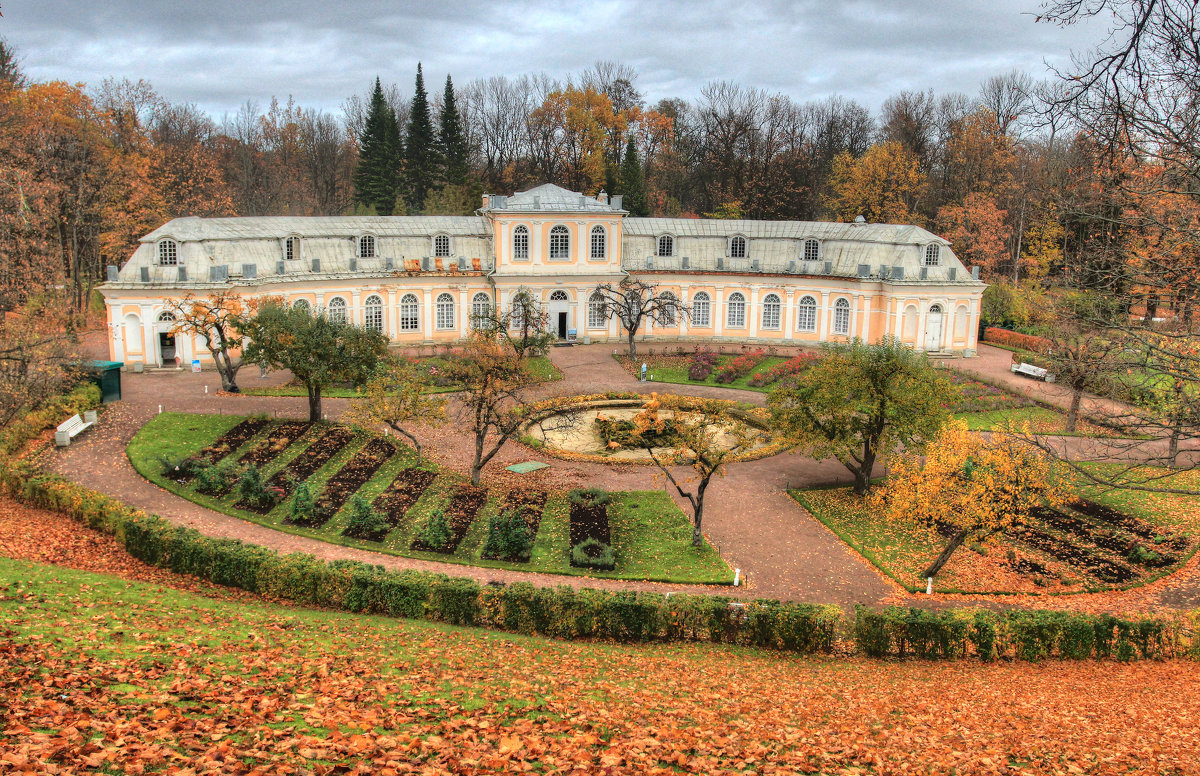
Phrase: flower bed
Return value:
(590, 532)
(977, 396)
(736, 367)
(793, 366)
(348, 480)
(225, 444)
(319, 453)
(1015, 339)
(402, 493)
(460, 512)
(276, 442)
(523, 505)
(702, 364)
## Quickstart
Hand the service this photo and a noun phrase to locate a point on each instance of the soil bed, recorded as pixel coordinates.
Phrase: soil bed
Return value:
(317, 455)
(402, 493)
(461, 511)
(228, 442)
(276, 442)
(348, 480)
(529, 504)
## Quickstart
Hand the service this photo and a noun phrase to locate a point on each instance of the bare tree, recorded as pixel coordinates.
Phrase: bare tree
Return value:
(1008, 97)
(635, 301)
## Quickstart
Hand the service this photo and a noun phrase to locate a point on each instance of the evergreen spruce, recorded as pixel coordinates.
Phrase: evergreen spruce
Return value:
(421, 157)
(633, 184)
(453, 142)
(376, 180)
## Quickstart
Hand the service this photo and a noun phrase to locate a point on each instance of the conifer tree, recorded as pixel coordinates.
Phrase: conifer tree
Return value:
(453, 142)
(376, 178)
(633, 184)
(421, 157)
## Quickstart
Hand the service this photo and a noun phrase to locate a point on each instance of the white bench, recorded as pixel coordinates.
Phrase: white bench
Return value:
(73, 427)
(1029, 370)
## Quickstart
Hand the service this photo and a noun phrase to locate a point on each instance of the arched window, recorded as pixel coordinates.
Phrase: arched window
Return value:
(666, 315)
(737, 247)
(335, 311)
(444, 312)
(935, 309)
(596, 317)
(812, 250)
(771, 311)
(933, 255)
(666, 246)
(599, 243)
(302, 304)
(441, 245)
(560, 243)
(410, 313)
(373, 313)
(168, 253)
(701, 310)
(735, 311)
(166, 316)
(481, 311)
(291, 249)
(559, 296)
(521, 243)
(806, 314)
(841, 317)
(366, 246)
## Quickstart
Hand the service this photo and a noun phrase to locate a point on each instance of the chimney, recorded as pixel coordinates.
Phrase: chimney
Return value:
(602, 197)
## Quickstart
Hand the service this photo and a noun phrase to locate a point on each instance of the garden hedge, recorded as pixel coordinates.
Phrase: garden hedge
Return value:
(569, 613)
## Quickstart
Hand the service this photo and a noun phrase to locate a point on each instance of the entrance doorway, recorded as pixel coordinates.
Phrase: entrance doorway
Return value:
(562, 326)
(166, 346)
(933, 328)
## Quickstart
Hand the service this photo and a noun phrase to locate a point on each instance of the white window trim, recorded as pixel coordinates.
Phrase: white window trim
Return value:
(344, 307)
(550, 244)
(449, 245)
(745, 243)
(804, 249)
(370, 310)
(936, 250)
(416, 315)
(437, 312)
(480, 309)
(778, 311)
(730, 307)
(696, 321)
(358, 246)
(528, 238)
(297, 248)
(595, 312)
(604, 236)
(161, 246)
(658, 245)
(849, 308)
(811, 328)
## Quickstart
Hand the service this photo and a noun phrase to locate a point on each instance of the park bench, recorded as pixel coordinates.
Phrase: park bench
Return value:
(73, 427)
(1029, 370)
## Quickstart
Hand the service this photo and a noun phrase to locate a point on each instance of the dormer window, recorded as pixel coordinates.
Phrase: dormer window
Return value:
(441, 245)
(666, 246)
(737, 247)
(521, 243)
(560, 243)
(291, 249)
(812, 250)
(366, 246)
(168, 253)
(933, 255)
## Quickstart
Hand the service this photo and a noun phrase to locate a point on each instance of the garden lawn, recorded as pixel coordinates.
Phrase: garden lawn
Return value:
(103, 675)
(674, 369)
(651, 535)
(902, 550)
(538, 365)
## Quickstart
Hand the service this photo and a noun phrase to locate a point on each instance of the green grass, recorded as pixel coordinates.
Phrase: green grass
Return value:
(665, 370)
(651, 535)
(540, 366)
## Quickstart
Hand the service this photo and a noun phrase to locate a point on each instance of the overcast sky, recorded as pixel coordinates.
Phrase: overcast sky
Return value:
(220, 53)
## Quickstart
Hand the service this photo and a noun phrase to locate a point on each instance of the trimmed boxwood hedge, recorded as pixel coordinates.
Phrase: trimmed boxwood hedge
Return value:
(570, 613)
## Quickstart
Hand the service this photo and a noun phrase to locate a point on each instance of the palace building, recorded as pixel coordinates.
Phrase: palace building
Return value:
(419, 279)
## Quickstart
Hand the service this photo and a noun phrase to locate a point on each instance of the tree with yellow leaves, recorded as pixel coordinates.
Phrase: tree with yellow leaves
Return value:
(214, 319)
(397, 396)
(974, 485)
(883, 185)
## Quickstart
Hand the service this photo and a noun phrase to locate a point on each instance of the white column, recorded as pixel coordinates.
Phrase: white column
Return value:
(149, 336)
(823, 318)
(427, 310)
(973, 324)
(948, 326)
(865, 332)
(789, 314)
(356, 310)
(922, 315)
(753, 312)
(464, 312)
(718, 311)
(581, 295)
(684, 296)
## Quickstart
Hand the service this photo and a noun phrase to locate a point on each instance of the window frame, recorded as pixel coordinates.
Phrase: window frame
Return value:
(560, 231)
(292, 248)
(701, 304)
(440, 239)
(600, 231)
(735, 305)
(520, 252)
(668, 318)
(806, 314)
(443, 312)
(736, 240)
(841, 311)
(775, 309)
(415, 312)
(343, 315)
(373, 310)
(302, 302)
(658, 245)
(361, 246)
(167, 251)
(933, 255)
(596, 319)
(480, 312)
(816, 249)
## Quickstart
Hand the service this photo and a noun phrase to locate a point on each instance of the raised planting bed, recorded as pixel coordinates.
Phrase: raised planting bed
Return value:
(276, 442)
(404, 491)
(528, 504)
(589, 527)
(1115, 540)
(464, 505)
(319, 453)
(1107, 571)
(225, 444)
(341, 486)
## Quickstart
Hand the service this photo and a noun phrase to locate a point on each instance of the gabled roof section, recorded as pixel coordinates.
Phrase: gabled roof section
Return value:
(895, 234)
(549, 198)
(262, 227)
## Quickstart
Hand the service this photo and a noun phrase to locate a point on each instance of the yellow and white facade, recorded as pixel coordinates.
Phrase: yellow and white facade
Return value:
(418, 279)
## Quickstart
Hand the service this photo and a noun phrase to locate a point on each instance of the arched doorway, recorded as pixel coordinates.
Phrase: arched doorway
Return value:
(933, 328)
(165, 338)
(560, 313)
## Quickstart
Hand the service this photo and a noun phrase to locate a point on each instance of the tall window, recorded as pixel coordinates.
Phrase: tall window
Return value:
(666, 315)
(335, 311)
(735, 311)
(291, 248)
(441, 245)
(596, 317)
(410, 313)
(445, 312)
(373, 313)
(666, 246)
(301, 304)
(366, 246)
(812, 250)
(560, 243)
(168, 253)
(806, 314)
(521, 243)
(599, 247)
(737, 247)
(841, 317)
(701, 310)
(481, 311)
(933, 255)
(770, 311)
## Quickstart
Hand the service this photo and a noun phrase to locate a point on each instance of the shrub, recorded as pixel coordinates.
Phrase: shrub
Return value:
(509, 537)
(792, 366)
(216, 479)
(588, 498)
(701, 365)
(593, 553)
(254, 491)
(436, 531)
(177, 467)
(738, 367)
(365, 522)
(303, 504)
(1015, 339)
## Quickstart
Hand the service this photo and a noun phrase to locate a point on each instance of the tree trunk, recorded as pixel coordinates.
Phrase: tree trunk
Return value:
(1073, 410)
(411, 438)
(698, 516)
(632, 345)
(936, 566)
(228, 373)
(477, 464)
(862, 474)
(314, 403)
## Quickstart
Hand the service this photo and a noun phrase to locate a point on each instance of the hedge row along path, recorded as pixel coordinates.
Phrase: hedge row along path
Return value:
(781, 549)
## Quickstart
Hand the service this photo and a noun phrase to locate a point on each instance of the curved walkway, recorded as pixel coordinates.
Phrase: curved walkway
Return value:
(782, 551)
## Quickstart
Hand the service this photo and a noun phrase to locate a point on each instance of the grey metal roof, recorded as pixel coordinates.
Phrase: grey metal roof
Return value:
(552, 199)
(278, 227)
(900, 234)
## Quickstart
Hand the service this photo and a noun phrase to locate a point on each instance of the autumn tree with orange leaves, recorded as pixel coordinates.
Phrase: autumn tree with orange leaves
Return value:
(214, 319)
(884, 185)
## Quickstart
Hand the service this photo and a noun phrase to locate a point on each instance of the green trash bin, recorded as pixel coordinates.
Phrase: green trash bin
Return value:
(107, 375)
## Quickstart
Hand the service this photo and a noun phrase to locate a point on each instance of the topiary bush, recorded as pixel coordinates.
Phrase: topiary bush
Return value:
(253, 490)
(589, 498)
(365, 522)
(216, 479)
(509, 537)
(436, 531)
(303, 505)
(593, 553)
